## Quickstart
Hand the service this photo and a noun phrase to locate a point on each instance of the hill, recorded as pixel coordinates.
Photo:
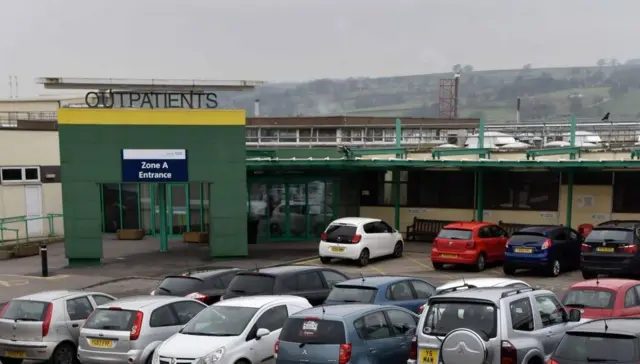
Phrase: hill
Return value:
(589, 92)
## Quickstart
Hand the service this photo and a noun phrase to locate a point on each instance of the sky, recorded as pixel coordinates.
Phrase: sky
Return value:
(298, 40)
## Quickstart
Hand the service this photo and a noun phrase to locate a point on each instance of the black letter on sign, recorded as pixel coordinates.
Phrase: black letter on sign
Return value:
(212, 100)
(92, 99)
(146, 101)
(135, 97)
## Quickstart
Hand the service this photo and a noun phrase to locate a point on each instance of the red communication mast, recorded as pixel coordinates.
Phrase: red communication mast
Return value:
(447, 102)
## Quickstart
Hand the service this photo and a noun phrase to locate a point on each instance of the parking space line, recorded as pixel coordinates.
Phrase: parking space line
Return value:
(52, 278)
(312, 261)
(376, 269)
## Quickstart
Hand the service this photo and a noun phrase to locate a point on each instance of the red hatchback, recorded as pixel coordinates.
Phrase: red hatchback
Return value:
(470, 243)
(607, 297)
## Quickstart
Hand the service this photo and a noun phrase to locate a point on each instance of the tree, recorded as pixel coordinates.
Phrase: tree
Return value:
(527, 66)
(468, 68)
(614, 62)
(601, 62)
(457, 68)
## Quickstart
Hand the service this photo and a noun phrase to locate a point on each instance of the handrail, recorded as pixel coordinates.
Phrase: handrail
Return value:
(25, 220)
(572, 151)
(481, 152)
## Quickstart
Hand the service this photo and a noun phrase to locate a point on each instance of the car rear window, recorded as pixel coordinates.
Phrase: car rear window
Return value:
(600, 235)
(443, 317)
(313, 331)
(527, 237)
(455, 234)
(25, 310)
(252, 284)
(179, 285)
(111, 320)
(589, 298)
(344, 293)
(598, 347)
(334, 232)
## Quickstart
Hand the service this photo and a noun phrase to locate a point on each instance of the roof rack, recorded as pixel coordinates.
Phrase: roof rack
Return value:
(457, 288)
(518, 291)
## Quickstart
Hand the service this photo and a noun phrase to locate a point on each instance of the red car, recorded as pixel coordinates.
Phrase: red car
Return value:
(607, 297)
(470, 243)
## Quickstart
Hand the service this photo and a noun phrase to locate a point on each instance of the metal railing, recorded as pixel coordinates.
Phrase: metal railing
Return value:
(15, 230)
(10, 119)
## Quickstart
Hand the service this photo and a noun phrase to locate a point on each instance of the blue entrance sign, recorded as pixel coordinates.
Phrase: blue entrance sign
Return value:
(154, 165)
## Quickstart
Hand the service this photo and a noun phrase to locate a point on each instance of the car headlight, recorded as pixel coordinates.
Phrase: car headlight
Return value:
(213, 357)
(156, 356)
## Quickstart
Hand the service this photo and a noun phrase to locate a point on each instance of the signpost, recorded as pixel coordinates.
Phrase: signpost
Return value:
(154, 165)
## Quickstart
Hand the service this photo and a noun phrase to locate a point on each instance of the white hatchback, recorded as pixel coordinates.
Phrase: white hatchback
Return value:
(360, 239)
(237, 330)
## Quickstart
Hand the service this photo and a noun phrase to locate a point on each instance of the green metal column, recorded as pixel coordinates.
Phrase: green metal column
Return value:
(396, 179)
(187, 197)
(307, 217)
(152, 207)
(120, 206)
(162, 201)
(480, 177)
(138, 207)
(102, 212)
(570, 173)
(201, 188)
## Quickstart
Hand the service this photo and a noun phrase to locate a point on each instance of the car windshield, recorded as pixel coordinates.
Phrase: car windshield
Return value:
(252, 284)
(24, 310)
(344, 293)
(459, 234)
(313, 331)
(597, 347)
(600, 235)
(113, 320)
(589, 298)
(179, 286)
(443, 317)
(220, 321)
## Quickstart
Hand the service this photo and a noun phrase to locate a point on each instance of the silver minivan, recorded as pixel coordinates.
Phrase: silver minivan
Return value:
(130, 329)
(45, 326)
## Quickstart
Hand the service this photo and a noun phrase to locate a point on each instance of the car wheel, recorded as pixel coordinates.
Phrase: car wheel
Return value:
(555, 268)
(64, 354)
(397, 250)
(437, 266)
(325, 260)
(5, 360)
(508, 270)
(589, 275)
(363, 259)
(149, 359)
(481, 262)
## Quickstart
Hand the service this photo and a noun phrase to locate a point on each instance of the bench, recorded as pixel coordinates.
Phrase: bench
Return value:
(512, 228)
(424, 229)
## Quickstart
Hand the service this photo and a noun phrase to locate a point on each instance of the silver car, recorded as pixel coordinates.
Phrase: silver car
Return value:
(130, 329)
(45, 326)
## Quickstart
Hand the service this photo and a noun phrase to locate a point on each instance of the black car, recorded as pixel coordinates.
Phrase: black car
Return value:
(612, 249)
(203, 285)
(611, 340)
(311, 282)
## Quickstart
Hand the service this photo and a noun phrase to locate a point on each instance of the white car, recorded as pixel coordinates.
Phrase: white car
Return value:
(237, 330)
(360, 239)
(477, 283)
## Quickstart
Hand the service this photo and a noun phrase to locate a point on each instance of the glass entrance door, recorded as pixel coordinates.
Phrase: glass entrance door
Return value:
(177, 208)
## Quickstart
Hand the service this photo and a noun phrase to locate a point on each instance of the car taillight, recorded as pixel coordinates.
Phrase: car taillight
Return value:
(471, 244)
(420, 309)
(631, 248)
(356, 239)
(323, 236)
(551, 361)
(46, 321)
(345, 354)
(137, 327)
(275, 349)
(4, 309)
(508, 353)
(413, 349)
(221, 298)
(585, 248)
(546, 244)
(506, 245)
(197, 296)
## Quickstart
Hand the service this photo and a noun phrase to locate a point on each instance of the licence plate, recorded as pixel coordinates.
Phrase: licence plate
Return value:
(15, 354)
(605, 250)
(450, 256)
(428, 356)
(523, 250)
(337, 249)
(96, 343)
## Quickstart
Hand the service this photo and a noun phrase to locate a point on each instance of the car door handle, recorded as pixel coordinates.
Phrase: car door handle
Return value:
(372, 350)
(74, 325)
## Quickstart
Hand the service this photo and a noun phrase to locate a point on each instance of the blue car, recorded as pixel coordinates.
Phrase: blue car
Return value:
(341, 334)
(405, 292)
(549, 248)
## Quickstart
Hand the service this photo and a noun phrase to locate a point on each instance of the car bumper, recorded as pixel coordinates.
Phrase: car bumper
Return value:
(609, 264)
(27, 350)
(341, 251)
(454, 256)
(96, 357)
(524, 260)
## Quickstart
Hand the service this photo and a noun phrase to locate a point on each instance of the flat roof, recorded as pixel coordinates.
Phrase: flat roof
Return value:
(154, 84)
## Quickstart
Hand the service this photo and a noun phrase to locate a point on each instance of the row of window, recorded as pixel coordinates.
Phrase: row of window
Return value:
(503, 190)
(19, 174)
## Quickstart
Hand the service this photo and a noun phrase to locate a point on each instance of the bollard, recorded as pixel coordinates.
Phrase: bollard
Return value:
(43, 260)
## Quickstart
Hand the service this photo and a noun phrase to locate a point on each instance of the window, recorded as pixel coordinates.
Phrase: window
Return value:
(383, 228)
(79, 308)
(101, 300)
(550, 310)
(309, 281)
(582, 347)
(112, 320)
(536, 191)
(423, 289)
(220, 321)
(433, 189)
(370, 188)
(573, 235)
(273, 319)
(19, 174)
(187, 310)
(212, 283)
(333, 278)
(517, 285)
(630, 299)
(443, 317)
(163, 316)
(400, 291)
(457, 234)
(369, 228)
(252, 284)
(180, 285)
(590, 178)
(388, 197)
(373, 326)
(561, 234)
(352, 294)
(226, 278)
(402, 322)
(498, 232)
(23, 309)
(626, 194)
(337, 233)
(589, 298)
(484, 232)
(521, 315)
(313, 331)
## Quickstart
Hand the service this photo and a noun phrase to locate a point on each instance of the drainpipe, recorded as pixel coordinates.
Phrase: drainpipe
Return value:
(480, 177)
(570, 173)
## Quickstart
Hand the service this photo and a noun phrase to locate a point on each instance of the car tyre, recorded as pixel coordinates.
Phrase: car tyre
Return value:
(398, 250)
(589, 275)
(65, 353)
(437, 266)
(325, 260)
(5, 360)
(555, 268)
(149, 358)
(481, 262)
(508, 270)
(363, 259)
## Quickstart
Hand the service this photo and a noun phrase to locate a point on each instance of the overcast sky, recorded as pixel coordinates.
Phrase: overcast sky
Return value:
(293, 40)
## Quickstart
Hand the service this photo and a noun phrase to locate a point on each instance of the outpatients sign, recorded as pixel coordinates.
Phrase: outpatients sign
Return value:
(154, 165)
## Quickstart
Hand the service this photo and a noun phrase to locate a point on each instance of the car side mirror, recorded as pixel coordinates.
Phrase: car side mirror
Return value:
(574, 315)
(262, 332)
